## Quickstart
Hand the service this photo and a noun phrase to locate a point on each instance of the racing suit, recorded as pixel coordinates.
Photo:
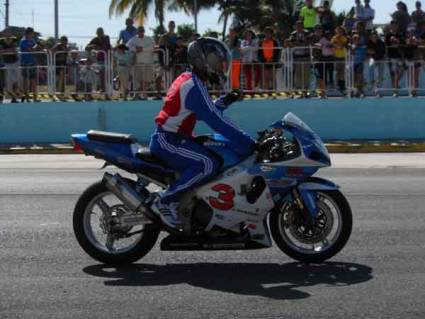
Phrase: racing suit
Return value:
(186, 102)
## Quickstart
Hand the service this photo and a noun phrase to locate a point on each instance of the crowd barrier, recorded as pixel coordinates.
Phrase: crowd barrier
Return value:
(84, 74)
(332, 119)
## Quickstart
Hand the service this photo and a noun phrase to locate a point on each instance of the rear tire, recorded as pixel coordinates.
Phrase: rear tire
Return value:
(346, 220)
(143, 246)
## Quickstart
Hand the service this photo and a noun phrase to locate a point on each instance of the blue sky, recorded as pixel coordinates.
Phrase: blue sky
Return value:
(79, 19)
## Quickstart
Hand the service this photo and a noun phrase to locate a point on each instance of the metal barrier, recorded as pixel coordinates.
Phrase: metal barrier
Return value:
(79, 73)
(25, 75)
(298, 72)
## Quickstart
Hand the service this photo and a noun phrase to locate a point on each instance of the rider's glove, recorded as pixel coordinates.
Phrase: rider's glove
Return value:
(232, 97)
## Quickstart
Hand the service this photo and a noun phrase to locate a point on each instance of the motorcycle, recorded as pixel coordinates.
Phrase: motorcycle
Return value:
(270, 194)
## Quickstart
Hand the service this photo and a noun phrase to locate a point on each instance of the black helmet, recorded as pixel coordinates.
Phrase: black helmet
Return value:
(210, 59)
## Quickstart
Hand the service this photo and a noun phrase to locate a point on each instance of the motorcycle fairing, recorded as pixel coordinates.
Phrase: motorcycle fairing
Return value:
(226, 195)
(119, 154)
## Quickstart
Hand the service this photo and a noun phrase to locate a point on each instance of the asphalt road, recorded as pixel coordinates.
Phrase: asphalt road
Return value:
(380, 273)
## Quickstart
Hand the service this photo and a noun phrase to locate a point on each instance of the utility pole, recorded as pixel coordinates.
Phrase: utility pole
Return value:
(6, 20)
(195, 12)
(56, 19)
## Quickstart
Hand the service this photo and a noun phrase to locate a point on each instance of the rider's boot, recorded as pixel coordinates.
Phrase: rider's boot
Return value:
(168, 213)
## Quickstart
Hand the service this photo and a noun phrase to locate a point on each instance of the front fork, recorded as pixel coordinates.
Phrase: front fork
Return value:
(305, 202)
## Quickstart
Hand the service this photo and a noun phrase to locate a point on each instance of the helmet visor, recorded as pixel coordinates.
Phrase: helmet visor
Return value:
(218, 58)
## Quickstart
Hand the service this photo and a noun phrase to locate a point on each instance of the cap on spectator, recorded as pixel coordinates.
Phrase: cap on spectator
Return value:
(141, 29)
(318, 27)
(29, 30)
(63, 39)
(326, 3)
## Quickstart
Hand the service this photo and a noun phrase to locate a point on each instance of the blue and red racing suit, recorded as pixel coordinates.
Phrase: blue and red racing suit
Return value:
(186, 102)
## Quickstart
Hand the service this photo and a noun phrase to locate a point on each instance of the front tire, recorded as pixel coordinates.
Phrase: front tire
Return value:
(85, 235)
(290, 236)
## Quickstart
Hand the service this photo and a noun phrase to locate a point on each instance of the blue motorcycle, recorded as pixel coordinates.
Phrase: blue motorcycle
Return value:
(268, 195)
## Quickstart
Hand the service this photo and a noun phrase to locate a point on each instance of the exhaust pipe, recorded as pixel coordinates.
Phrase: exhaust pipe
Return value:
(120, 188)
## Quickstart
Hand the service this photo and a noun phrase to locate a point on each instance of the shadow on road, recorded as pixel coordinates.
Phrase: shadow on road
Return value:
(267, 280)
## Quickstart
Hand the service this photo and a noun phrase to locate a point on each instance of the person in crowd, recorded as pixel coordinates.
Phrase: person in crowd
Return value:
(122, 63)
(126, 34)
(60, 53)
(180, 57)
(299, 41)
(102, 45)
(418, 16)
(401, 17)
(89, 77)
(27, 46)
(376, 50)
(325, 59)
(8, 51)
(359, 52)
(358, 11)
(413, 55)
(316, 55)
(394, 39)
(167, 43)
(368, 16)
(142, 47)
(327, 18)
(308, 15)
(166, 47)
(269, 55)
(249, 52)
(360, 30)
(340, 44)
(74, 72)
(234, 44)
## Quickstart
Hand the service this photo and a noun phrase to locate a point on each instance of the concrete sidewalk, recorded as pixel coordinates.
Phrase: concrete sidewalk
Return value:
(64, 161)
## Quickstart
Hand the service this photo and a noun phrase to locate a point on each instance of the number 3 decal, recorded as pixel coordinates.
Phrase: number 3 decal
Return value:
(224, 200)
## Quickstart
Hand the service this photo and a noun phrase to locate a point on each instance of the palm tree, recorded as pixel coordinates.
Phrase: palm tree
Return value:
(258, 14)
(139, 9)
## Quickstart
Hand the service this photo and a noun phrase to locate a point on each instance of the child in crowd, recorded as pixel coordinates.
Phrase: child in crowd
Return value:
(249, 52)
(394, 39)
(359, 52)
(324, 55)
(89, 77)
(122, 63)
(340, 43)
(376, 50)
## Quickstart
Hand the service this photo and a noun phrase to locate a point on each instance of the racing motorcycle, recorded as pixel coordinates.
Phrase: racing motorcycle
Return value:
(268, 195)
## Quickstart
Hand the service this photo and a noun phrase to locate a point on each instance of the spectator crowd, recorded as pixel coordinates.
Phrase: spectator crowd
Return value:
(313, 58)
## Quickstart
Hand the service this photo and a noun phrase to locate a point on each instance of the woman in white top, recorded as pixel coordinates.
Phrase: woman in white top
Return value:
(249, 52)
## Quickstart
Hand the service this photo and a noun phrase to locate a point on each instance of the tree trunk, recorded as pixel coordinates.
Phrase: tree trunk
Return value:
(224, 26)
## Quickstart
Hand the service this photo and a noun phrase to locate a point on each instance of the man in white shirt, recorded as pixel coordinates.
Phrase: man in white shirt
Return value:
(142, 47)
(369, 15)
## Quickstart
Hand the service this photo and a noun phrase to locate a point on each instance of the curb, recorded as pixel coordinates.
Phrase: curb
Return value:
(333, 147)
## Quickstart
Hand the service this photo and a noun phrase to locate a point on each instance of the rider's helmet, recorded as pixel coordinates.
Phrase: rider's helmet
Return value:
(210, 59)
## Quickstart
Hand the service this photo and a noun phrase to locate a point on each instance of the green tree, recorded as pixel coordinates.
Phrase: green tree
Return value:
(211, 33)
(186, 31)
(139, 9)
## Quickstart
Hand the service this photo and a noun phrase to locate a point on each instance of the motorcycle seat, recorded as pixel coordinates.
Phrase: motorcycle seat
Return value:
(109, 137)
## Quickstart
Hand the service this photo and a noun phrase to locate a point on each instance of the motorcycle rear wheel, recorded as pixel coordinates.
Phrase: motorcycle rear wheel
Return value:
(85, 234)
(334, 226)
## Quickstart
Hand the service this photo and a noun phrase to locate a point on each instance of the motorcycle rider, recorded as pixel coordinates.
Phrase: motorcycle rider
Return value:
(186, 102)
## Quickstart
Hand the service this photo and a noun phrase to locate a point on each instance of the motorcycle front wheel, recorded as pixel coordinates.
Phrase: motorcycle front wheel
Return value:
(328, 235)
(92, 220)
